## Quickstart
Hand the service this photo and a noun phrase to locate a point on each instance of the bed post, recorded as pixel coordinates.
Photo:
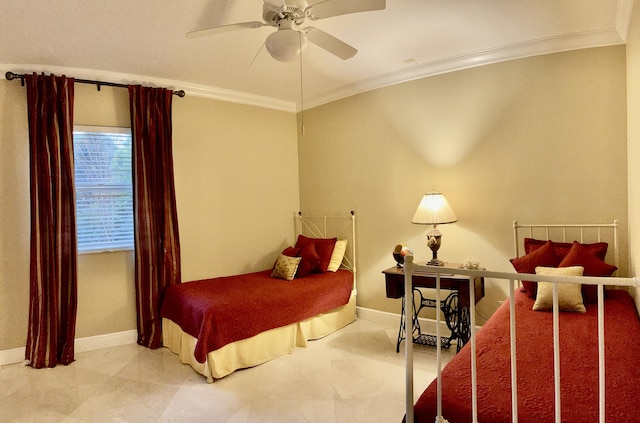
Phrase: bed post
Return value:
(515, 238)
(298, 217)
(616, 257)
(409, 265)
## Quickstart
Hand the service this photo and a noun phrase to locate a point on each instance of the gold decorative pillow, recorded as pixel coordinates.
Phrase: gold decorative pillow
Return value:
(286, 267)
(337, 255)
(569, 294)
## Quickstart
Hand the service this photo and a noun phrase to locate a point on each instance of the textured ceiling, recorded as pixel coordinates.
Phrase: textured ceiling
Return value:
(144, 41)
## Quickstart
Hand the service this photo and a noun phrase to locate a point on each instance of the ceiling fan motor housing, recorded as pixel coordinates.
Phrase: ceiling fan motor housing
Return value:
(274, 14)
(289, 40)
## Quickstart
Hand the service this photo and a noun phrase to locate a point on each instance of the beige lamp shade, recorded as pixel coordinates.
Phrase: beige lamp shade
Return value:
(434, 209)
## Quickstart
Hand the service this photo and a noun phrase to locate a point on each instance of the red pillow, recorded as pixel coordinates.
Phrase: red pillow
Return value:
(290, 251)
(310, 260)
(542, 256)
(309, 255)
(599, 249)
(581, 255)
(324, 248)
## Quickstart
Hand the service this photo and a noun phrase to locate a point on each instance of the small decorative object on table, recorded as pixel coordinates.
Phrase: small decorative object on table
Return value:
(471, 263)
(399, 252)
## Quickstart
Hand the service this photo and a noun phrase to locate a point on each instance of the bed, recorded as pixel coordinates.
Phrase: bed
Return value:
(223, 324)
(571, 365)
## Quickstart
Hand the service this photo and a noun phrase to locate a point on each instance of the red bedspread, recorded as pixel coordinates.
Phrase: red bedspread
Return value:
(534, 343)
(227, 309)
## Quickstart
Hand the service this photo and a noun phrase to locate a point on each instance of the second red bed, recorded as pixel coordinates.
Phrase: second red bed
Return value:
(534, 344)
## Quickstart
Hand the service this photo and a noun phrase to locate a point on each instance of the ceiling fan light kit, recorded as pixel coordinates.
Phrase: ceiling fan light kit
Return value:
(289, 40)
(285, 44)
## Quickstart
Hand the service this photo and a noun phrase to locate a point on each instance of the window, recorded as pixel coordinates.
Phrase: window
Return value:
(104, 191)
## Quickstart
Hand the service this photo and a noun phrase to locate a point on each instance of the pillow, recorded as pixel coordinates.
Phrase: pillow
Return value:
(580, 255)
(569, 294)
(337, 255)
(285, 267)
(599, 249)
(543, 256)
(324, 248)
(309, 257)
(310, 260)
(290, 251)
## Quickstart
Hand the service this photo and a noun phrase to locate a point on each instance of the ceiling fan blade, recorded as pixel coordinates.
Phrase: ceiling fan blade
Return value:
(328, 8)
(330, 43)
(224, 28)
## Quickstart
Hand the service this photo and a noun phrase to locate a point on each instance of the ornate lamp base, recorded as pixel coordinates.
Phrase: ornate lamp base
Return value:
(435, 262)
(434, 239)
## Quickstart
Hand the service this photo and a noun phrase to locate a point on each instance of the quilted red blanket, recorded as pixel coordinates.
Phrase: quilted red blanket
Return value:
(534, 344)
(227, 309)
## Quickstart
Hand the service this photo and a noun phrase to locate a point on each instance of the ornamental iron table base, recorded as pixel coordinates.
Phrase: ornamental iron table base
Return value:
(456, 318)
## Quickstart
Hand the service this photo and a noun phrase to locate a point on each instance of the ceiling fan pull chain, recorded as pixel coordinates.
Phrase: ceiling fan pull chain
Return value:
(301, 91)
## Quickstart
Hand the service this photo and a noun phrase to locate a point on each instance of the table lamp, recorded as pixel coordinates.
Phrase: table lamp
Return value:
(434, 209)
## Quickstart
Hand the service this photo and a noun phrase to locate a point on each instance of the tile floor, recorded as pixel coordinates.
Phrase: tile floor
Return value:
(353, 375)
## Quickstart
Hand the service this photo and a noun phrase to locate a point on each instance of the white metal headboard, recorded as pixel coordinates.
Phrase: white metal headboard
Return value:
(341, 227)
(588, 232)
(562, 233)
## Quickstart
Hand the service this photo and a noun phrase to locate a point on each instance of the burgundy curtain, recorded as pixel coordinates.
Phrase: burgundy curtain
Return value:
(53, 278)
(157, 246)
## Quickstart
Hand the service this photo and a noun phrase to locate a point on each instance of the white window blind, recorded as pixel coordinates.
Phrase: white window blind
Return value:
(104, 191)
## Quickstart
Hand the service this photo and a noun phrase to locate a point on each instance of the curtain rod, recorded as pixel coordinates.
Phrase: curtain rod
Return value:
(11, 76)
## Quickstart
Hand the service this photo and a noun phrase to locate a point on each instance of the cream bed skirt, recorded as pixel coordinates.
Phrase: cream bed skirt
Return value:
(258, 349)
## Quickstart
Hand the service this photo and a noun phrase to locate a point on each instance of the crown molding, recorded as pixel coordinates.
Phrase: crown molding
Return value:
(623, 17)
(215, 93)
(549, 45)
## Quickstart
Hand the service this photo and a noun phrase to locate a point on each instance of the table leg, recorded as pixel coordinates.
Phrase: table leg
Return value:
(416, 325)
(464, 327)
(458, 320)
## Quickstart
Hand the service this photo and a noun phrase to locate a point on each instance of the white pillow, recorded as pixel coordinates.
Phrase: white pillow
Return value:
(337, 255)
(569, 294)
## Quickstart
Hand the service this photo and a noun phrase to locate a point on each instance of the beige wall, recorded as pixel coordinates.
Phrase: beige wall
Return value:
(14, 215)
(541, 139)
(236, 185)
(633, 140)
(236, 173)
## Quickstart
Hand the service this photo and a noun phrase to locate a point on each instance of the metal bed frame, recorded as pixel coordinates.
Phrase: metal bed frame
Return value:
(341, 227)
(544, 231)
(513, 278)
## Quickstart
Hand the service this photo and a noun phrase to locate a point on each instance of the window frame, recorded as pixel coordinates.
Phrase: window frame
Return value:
(103, 247)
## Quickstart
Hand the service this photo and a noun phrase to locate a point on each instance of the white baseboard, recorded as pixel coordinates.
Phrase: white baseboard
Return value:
(90, 343)
(107, 340)
(382, 317)
(15, 355)
(393, 320)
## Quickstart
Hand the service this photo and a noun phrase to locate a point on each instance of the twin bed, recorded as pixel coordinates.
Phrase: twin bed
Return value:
(523, 365)
(532, 362)
(224, 324)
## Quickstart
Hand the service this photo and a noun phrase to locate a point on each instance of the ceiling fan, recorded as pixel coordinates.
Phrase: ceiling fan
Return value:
(287, 42)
